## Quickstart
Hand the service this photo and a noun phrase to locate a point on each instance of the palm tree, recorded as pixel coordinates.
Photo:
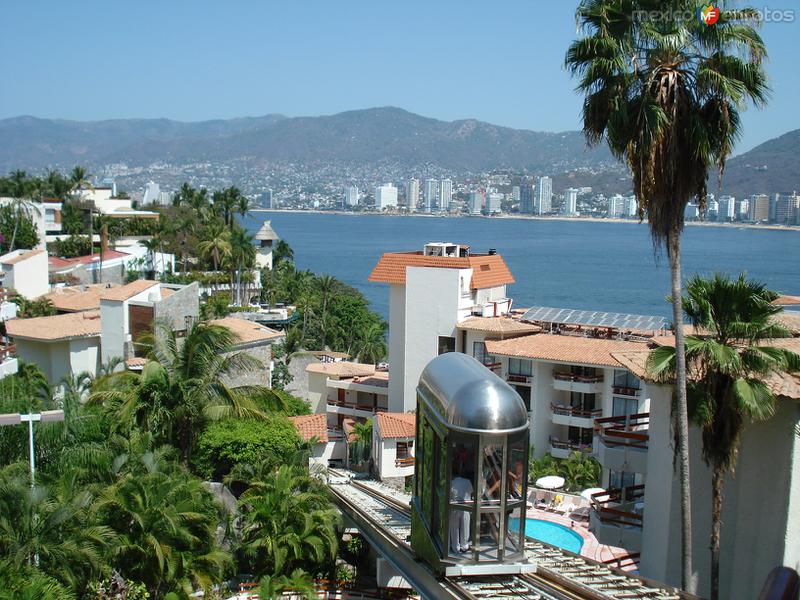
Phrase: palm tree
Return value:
(243, 256)
(326, 285)
(370, 345)
(299, 583)
(183, 385)
(243, 205)
(282, 252)
(215, 243)
(665, 94)
(22, 191)
(287, 522)
(166, 524)
(730, 360)
(79, 180)
(51, 528)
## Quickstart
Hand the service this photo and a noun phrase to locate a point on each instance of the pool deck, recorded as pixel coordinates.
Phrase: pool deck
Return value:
(591, 547)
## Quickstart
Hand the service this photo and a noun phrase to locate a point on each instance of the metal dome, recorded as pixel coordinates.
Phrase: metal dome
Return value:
(470, 398)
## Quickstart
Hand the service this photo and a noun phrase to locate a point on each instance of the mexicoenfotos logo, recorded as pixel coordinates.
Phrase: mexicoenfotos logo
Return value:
(708, 15)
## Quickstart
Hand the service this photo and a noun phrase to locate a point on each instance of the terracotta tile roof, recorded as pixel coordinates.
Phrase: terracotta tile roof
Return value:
(635, 362)
(342, 369)
(784, 384)
(564, 348)
(79, 297)
(396, 425)
(497, 325)
(128, 291)
(786, 300)
(19, 257)
(488, 270)
(248, 331)
(166, 292)
(789, 319)
(312, 426)
(348, 426)
(58, 327)
(136, 363)
(61, 263)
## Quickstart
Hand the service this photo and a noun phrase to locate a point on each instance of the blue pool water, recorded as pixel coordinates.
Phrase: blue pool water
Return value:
(551, 533)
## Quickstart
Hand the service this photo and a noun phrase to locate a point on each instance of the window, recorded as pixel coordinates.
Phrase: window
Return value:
(580, 435)
(583, 371)
(620, 479)
(480, 354)
(581, 400)
(446, 344)
(402, 449)
(624, 407)
(625, 379)
(524, 392)
(520, 366)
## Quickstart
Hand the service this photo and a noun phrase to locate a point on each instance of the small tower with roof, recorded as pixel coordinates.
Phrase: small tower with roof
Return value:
(265, 237)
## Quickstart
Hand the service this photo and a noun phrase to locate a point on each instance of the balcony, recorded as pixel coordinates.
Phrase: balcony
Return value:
(616, 517)
(562, 449)
(621, 443)
(405, 461)
(572, 416)
(584, 384)
(514, 378)
(626, 391)
(354, 407)
(8, 360)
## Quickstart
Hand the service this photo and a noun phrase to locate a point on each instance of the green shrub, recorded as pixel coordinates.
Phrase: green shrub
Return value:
(232, 442)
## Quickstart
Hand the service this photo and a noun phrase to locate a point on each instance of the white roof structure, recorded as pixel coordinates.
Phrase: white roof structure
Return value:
(266, 233)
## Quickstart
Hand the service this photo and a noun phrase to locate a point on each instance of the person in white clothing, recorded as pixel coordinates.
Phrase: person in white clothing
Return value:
(460, 491)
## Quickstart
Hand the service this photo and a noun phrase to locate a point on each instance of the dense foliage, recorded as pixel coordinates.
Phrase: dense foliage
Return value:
(579, 470)
(20, 228)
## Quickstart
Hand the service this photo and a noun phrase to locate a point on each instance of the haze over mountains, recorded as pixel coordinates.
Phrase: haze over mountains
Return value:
(361, 137)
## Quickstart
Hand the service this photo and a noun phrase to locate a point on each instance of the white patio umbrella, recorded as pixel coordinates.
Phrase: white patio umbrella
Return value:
(550, 482)
(587, 493)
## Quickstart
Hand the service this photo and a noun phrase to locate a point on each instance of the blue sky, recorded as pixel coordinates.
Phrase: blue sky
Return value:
(498, 61)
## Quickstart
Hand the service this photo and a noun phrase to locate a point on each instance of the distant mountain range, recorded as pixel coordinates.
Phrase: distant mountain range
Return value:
(372, 136)
(361, 136)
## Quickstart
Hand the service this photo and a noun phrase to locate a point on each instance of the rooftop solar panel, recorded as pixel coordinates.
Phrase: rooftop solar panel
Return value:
(591, 318)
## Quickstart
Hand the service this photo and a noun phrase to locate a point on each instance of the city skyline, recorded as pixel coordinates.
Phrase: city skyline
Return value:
(195, 77)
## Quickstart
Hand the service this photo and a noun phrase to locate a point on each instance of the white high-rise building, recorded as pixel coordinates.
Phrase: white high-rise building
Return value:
(726, 210)
(351, 196)
(445, 194)
(152, 192)
(544, 196)
(516, 194)
(385, 196)
(571, 201)
(526, 199)
(412, 194)
(493, 203)
(475, 202)
(616, 206)
(631, 210)
(431, 187)
(742, 209)
(266, 199)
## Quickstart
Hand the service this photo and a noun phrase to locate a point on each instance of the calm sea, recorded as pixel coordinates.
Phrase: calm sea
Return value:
(570, 264)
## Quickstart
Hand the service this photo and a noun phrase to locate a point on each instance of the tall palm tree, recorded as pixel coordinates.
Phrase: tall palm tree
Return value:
(183, 385)
(79, 180)
(282, 252)
(215, 243)
(288, 522)
(326, 285)
(166, 524)
(22, 191)
(730, 360)
(243, 256)
(369, 345)
(665, 93)
(243, 205)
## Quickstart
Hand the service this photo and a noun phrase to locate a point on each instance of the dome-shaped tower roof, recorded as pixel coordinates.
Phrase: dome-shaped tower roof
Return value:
(266, 233)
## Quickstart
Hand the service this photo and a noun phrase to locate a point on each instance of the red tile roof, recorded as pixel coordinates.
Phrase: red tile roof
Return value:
(488, 270)
(564, 348)
(60, 263)
(57, 327)
(125, 292)
(312, 426)
(396, 425)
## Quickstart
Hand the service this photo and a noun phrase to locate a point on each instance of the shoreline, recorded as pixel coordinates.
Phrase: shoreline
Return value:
(768, 227)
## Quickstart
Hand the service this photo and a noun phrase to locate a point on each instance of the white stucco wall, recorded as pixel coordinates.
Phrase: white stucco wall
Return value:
(760, 511)
(84, 354)
(114, 326)
(29, 277)
(397, 346)
(387, 451)
(317, 392)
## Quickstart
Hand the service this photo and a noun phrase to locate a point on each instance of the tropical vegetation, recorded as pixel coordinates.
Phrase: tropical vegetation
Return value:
(579, 470)
(737, 347)
(664, 90)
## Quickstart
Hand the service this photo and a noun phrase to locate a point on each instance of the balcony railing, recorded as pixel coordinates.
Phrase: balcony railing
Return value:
(571, 446)
(625, 430)
(357, 405)
(564, 376)
(406, 461)
(623, 507)
(517, 378)
(575, 411)
(626, 391)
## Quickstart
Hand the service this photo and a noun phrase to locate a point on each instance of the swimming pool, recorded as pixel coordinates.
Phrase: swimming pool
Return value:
(552, 533)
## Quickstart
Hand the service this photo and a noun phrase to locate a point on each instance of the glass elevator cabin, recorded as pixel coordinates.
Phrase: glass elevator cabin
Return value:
(471, 470)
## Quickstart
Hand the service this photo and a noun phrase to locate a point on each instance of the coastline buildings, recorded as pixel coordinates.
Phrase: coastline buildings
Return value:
(616, 206)
(526, 204)
(431, 187)
(758, 211)
(412, 194)
(445, 194)
(726, 209)
(571, 202)
(475, 202)
(544, 196)
(493, 203)
(351, 196)
(385, 196)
